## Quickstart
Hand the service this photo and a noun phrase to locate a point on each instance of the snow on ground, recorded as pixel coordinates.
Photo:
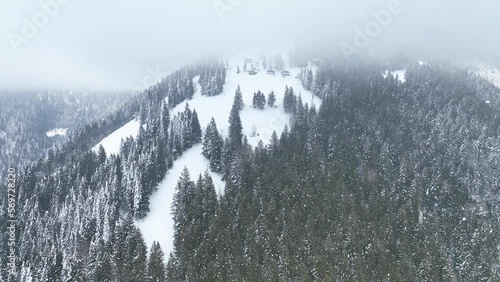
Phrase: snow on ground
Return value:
(265, 121)
(57, 132)
(487, 72)
(422, 63)
(113, 141)
(159, 224)
(401, 74)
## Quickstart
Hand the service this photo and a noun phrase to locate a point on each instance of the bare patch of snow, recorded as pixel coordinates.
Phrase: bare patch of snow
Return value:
(57, 132)
(400, 74)
(159, 224)
(385, 74)
(113, 141)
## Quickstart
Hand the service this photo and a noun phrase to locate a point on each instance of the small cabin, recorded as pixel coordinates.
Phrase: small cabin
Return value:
(285, 73)
(272, 72)
(252, 72)
(248, 61)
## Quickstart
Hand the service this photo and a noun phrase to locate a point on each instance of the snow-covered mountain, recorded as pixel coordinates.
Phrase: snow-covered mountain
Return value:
(258, 125)
(371, 176)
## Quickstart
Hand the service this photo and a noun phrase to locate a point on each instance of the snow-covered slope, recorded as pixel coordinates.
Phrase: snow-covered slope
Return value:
(113, 141)
(265, 121)
(159, 224)
(400, 74)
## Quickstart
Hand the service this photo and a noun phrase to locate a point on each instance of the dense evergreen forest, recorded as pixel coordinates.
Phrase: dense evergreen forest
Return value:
(25, 119)
(386, 181)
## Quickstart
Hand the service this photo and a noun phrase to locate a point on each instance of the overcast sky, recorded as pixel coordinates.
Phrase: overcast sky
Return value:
(115, 44)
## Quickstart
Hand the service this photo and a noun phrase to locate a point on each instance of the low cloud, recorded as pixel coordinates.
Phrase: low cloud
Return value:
(110, 45)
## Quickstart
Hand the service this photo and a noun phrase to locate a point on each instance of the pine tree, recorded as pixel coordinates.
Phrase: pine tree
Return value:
(235, 127)
(187, 133)
(195, 128)
(56, 268)
(262, 100)
(156, 264)
(172, 270)
(104, 269)
(137, 251)
(183, 188)
(142, 193)
(101, 154)
(184, 199)
(212, 146)
(289, 101)
(308, 83)
(77, 272)
(122, 257)
(271, 99)
(227, 158)
(238, 100)
(274, 141)
(209, 203)
(259, 100)
(165, 120)
(161, 163)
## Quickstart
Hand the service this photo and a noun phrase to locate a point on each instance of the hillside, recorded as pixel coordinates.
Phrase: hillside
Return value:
(275, 168)
(262, 121)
